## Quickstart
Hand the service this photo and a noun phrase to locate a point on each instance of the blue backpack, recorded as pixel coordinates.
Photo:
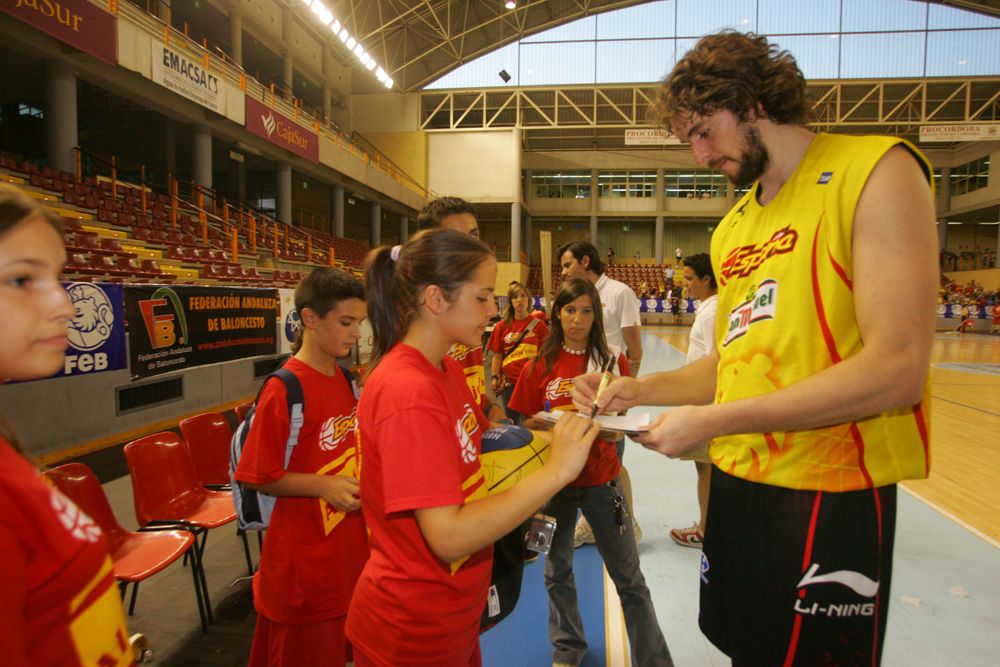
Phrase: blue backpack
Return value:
(253, 509)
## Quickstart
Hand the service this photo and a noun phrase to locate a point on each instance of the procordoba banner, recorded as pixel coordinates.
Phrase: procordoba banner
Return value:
(75, 22)
(171, 328)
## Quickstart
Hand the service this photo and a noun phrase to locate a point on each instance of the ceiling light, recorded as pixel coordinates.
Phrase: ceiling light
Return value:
(510, 4)
(318, 8)
(359, 51)
(344, 35)
(350, 43)
(336, 26)
(381, 75)
(307, 2)
(370, 64)
(388, 82)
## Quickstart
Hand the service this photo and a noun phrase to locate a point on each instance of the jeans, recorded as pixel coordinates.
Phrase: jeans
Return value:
(621, 558)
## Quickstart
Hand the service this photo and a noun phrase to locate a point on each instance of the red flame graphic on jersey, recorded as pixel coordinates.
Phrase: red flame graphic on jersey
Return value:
(333, 434)
(743, 261)
(558, 388)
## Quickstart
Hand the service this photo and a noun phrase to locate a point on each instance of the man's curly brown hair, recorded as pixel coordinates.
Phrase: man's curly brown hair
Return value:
(735, 72)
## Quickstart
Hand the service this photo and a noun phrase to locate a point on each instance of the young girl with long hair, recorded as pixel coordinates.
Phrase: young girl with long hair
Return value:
(515, 340)
(422, 593)
(316, 542)
(60, 604)
(576, 345)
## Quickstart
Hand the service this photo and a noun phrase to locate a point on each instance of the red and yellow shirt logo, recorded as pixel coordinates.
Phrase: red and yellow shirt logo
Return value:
(744, 260)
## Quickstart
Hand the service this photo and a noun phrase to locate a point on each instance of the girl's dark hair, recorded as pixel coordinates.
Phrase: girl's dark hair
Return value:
(597, 344)
(441, 257)
(515, 289)
(320, 291)
(15, 208)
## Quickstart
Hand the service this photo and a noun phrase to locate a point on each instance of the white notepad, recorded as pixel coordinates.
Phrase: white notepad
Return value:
(627, 424)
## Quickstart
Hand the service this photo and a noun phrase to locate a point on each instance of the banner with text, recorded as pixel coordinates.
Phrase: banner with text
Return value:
(189, 78)
(948, 133)
(650, 137)
(172, 328)
(75, 22)
(265, 122)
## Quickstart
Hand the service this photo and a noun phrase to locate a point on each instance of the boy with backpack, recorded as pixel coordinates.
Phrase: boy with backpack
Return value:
(300, 446)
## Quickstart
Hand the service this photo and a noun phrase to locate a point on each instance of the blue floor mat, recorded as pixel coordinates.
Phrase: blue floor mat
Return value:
(522, 639)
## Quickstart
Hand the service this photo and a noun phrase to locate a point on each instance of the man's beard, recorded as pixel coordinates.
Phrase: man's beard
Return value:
(754, 160)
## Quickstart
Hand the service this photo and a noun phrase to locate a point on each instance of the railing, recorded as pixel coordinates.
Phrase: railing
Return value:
(273, 94)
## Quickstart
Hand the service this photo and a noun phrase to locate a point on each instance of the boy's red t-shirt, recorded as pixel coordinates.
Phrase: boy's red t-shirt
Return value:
(505, 335)
(537, 390)
(60, 604)
(420, 435)
(313, 553)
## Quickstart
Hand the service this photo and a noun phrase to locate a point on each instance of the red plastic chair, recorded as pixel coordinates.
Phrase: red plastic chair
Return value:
(166, 491)
(135, 556)
(242, 409)
(208, 437)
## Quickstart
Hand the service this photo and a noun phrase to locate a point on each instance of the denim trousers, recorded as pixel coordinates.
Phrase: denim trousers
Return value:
(621, 558)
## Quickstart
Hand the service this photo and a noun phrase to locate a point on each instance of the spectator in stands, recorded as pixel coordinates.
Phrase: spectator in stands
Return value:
(60, 604)
(316, 542)
(700, 281)
(459, 215)
(421, 596)
(668, 274)
(622, 327)
(575, 346)
(611, 255)
(515, 340)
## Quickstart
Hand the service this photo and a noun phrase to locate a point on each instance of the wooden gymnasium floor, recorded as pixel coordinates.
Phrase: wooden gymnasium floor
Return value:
(965, 428)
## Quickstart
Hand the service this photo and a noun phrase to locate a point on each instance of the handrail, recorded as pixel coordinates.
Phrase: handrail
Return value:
(294, 108)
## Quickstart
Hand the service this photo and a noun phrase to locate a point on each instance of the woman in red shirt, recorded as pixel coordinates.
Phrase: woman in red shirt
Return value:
(316, 541)
(422, 593)
(60, 605)
(576, 345)
(515, 340)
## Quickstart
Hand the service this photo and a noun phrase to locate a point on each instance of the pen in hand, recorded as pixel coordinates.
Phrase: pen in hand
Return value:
(605, 380)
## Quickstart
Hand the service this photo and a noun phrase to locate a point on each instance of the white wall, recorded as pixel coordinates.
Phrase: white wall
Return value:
(478, 166)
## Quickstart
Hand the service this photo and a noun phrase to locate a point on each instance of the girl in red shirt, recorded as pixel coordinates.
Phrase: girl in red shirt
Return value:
(316, 542)
(422, 593)
(60, 605)
(515, 340)
(576, 345)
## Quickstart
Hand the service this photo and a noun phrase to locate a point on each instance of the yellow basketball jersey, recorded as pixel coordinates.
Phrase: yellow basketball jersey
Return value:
(786, 312)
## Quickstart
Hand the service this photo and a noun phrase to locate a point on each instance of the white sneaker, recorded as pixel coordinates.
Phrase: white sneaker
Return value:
(582, 534)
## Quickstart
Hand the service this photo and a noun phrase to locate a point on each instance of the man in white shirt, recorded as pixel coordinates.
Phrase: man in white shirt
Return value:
(622, 328)
(700, 281)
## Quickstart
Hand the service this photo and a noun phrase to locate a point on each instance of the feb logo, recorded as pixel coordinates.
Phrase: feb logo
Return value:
(335, 429)
(161, 324)
(558, 388)
(269, 123)
(292, 325)
(92, 325)
(465, 428)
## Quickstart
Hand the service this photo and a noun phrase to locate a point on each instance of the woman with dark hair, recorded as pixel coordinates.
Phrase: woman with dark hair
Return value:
(576, 345)
(316, 541)
(60, 604)
(422, 593)
(515, 340)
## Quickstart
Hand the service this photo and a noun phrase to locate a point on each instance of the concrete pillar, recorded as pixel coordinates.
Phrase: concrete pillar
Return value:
(593, 191)
(170, 145)
(528, 195)
(60, 115)
(942, 234)
(404, 228)
(658, 240)
(515, 232)
(236, 35)
(287, 74)
(284, 202)
(201, 155)
(527, 237)
(375, 235)
(593, 229)
(338, 211)
(165, 11)
(944, 192)
(327, 104)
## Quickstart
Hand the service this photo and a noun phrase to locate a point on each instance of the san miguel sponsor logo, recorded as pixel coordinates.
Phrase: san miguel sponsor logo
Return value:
(75, 22)
(742, 261)
(760, 304)
(280, 130)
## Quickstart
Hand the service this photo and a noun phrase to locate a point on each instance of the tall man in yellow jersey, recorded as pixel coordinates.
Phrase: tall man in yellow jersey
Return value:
(815, 399)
